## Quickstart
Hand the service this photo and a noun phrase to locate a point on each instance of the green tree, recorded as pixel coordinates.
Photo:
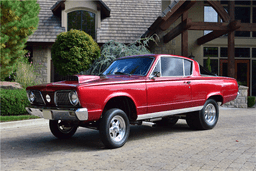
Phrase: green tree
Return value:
(73, 52)
(19, 19)
(208, 64)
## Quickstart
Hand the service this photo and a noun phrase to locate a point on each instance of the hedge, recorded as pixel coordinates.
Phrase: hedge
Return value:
(13, 102)
(251, 101)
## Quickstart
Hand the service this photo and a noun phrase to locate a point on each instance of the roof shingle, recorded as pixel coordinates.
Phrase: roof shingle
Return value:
(128, 21)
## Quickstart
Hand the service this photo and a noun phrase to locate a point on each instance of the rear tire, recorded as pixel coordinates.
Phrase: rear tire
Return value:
(205, 119)
(114, 128)
(62, 129)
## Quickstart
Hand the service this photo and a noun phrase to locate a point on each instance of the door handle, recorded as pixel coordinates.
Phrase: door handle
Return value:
(188, 82)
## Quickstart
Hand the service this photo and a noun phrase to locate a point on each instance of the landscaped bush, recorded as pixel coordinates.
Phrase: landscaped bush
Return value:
(13, 102)
(251, 101)
(73, 52)
(113, 50)
(26, 73)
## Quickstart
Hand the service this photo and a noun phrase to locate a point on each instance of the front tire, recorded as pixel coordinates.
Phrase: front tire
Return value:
(205, 119)
(62, 129)
(114, 128)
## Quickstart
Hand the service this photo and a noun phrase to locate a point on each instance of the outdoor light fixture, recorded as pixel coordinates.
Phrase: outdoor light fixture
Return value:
(192, 56)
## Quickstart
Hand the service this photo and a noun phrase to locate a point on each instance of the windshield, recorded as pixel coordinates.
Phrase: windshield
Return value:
(130, 66)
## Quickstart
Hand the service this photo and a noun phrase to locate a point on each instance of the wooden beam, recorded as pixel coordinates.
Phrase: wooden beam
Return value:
(208, 26)
(184, 37)
(247, 27)
(231, 40)
(173, 16)
(234, 25)
(177, 30)
(220, 10)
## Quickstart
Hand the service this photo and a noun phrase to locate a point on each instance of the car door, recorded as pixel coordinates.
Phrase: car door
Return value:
(170, 89)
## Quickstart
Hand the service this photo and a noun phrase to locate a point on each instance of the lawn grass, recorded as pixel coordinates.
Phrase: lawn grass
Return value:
(16, 118)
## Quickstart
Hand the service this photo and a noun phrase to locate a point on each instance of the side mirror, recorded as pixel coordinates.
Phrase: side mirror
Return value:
(155, 74)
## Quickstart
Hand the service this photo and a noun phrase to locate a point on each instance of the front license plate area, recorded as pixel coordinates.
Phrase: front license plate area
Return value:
(47, 114)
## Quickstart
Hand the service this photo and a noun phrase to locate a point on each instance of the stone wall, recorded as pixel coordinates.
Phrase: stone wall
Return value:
(241, 100)
(42, 59)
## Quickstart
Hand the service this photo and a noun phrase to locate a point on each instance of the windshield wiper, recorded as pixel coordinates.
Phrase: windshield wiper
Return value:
(121, 73)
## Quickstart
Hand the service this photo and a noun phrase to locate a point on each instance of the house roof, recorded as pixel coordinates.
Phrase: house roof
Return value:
(128, 20)
(49, 24)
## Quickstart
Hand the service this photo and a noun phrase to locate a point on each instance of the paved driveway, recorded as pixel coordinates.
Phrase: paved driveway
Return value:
(231, 145)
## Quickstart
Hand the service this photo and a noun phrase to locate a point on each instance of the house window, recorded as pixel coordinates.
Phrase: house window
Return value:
(242, 52)
(254, 52)
(210, 51)
(223, 52)
(239, 52)
(210, 15)
(243, 14)
(213, 64)
(254, 19)
(254, 77)
(82, 20)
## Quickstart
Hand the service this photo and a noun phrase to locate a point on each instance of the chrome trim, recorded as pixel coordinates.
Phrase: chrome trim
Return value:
(168, 113)
(80, 114)
(238, 94)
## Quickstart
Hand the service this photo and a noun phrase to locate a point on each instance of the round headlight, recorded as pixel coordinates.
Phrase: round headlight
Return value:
(73, 98)
(31, 96)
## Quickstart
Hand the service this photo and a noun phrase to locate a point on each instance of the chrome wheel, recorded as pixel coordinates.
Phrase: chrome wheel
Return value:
(64, 128)
(117, 128)
(210, 114)
(114, 128)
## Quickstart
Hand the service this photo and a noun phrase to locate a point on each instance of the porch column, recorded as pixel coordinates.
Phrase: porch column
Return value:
(231, 42)
(184, 37)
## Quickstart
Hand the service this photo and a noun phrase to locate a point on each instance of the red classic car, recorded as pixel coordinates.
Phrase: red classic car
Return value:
(153, 88)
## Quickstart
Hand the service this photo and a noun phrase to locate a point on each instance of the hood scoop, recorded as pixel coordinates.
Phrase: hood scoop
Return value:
(82, 78)
(72, 78)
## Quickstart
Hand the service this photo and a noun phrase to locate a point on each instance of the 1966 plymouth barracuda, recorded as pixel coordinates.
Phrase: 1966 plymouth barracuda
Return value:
(153, 88)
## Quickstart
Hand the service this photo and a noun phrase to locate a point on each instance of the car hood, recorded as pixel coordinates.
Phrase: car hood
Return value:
(73, 82)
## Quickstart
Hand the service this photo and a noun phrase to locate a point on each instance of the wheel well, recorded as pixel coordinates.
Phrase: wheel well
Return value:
(217, 98)
(124, 103)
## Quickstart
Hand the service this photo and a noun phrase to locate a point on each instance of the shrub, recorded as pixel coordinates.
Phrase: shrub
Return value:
(73, 52)
(26, 74)
(113, 50)
(13, 102)
(251, 101)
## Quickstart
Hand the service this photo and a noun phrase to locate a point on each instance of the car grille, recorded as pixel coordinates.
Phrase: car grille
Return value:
(59, 98)
(62, 99)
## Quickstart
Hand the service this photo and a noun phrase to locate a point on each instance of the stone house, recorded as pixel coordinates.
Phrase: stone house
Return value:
(224, 31)
(122, 20)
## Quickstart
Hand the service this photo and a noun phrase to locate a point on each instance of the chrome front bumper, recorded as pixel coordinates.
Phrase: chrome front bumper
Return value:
(80, 114)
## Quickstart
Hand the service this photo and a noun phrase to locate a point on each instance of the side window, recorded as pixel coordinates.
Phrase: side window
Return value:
(188, 67)
(171, 66)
